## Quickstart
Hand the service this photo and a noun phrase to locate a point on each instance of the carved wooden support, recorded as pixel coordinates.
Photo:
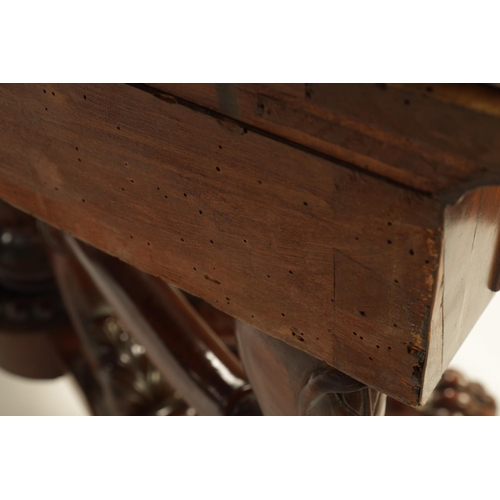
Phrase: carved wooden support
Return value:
(454, 396)
(178, 342)
(287, 381)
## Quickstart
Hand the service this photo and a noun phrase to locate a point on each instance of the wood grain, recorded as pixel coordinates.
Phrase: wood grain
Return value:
(436, 138)
(302, 248)
(336, 260)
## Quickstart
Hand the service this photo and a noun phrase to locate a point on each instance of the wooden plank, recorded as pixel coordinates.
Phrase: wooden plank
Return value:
(440, 139)
(471, 258)
(334, 261)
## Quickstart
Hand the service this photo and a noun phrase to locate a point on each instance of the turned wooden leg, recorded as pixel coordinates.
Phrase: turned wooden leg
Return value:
(32, 317)
(287, 381)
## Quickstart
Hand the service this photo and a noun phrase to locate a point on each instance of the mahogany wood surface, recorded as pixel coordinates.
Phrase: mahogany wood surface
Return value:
(437, 138)
(346, 262)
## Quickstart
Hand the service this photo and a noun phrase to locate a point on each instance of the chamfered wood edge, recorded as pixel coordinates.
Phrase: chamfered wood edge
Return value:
(458, 175)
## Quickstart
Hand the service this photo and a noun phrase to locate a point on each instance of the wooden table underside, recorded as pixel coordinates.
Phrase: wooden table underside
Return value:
(324, 215)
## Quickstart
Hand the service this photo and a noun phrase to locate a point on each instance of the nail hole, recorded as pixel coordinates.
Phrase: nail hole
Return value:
(396, 281)
(407, 101)
(291, 272)
(131, 237)
(185, 195)
(123, 189)
(395, 325)
(132, 181)
(427, 262)
(360, 338)
(118, 128)
(305, 203)
(76, 149)
(220, 147)
(370, 358)
(79, 159)
(362, 313)
(212, 241)
(85, 97)
(166, 197)
(44, 91)
(268, 276)
(244, 241)
(389, 242)
(194, 268)
(260, 182)
(46, 109)
(389, 348)
(411, 252)
(217, 168)
(149, 244)
(182, 239)
(354, 333)
(283, 314)
(158, 188)
(357, 239)
(378, 347)
(83, 200)
(389, 223)
(429, 89)
(200, 212)
(53, 93)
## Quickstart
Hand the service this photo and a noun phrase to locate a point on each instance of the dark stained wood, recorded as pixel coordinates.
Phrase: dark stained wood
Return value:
(287, 381)
(342, 264)
(33, 322)
(179, 343)
(440, 139)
